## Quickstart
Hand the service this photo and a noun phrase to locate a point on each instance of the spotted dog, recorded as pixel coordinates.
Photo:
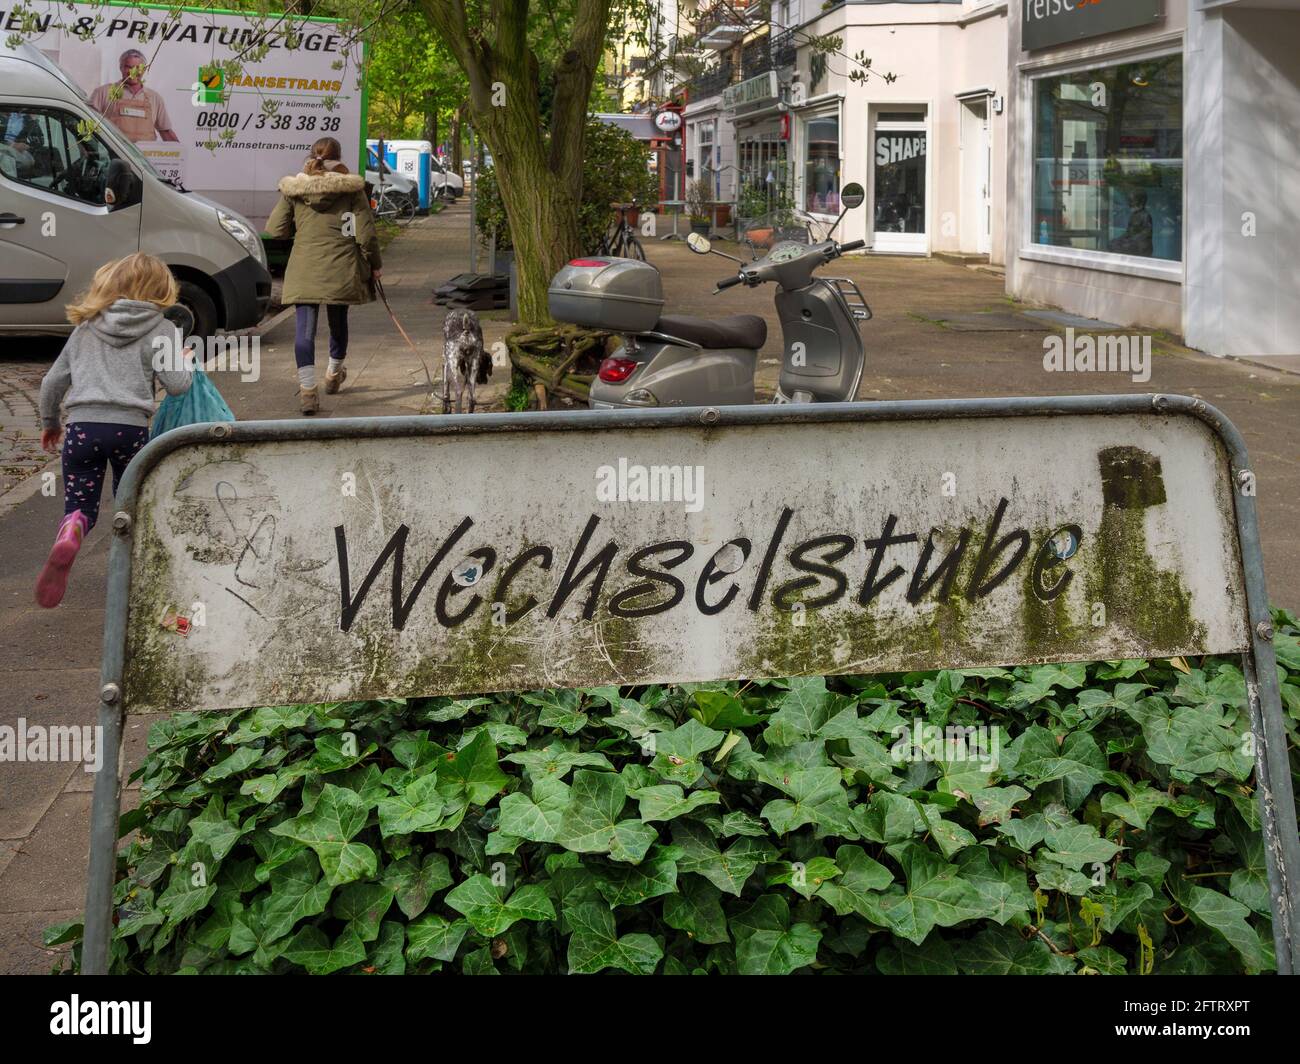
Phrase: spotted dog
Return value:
(464, 362)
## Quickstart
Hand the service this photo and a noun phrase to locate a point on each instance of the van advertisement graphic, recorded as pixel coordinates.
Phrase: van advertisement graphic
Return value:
(225, 103)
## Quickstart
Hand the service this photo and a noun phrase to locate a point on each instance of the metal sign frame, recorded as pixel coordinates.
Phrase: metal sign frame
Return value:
(1259, 664)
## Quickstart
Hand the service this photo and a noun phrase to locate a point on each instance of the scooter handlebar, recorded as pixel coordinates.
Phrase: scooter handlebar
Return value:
(729, 282)
(852, 245)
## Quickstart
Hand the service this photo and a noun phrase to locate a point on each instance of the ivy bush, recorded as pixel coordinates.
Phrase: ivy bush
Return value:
(1105, 823)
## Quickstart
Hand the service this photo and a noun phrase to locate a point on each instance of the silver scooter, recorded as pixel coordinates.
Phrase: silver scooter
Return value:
(680, 360)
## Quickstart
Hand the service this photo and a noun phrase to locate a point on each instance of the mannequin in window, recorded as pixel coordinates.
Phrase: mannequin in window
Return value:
(1137, 238)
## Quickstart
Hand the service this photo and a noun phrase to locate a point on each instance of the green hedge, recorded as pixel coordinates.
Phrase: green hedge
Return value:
(1107, 824)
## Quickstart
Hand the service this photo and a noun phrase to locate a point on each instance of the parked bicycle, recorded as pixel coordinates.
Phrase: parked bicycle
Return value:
(621, 240)
(396, 206)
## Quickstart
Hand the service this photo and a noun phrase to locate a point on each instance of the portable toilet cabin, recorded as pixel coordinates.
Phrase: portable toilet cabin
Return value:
(411, 159)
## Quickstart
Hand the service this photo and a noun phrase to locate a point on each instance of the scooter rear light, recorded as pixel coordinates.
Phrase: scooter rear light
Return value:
(588, 262)
(641, 397)
(617, 370)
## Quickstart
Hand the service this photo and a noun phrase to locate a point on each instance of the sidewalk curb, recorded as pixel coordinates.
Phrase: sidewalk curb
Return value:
(1262, 365)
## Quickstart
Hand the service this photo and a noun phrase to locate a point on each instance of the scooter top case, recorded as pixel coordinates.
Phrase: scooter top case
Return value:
(609, 293)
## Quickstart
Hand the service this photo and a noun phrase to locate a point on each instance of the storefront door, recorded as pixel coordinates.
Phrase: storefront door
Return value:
(977, 176)
(899, 153)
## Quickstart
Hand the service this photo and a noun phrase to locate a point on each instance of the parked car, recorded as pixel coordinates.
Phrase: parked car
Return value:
(56, 229)
(402, 185)
(446, 182)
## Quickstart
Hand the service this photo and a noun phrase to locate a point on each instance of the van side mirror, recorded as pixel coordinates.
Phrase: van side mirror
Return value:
(122, 186)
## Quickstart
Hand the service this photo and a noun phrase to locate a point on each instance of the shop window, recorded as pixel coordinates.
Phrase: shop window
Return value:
(900, 180)
(764, 175)
(1108, 160)
(821, 185)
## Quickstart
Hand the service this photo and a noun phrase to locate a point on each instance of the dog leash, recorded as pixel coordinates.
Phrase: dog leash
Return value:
(379, 288)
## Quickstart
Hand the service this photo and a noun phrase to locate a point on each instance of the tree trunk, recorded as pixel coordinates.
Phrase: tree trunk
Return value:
(539, 176)
(430, 132)
(457, 155)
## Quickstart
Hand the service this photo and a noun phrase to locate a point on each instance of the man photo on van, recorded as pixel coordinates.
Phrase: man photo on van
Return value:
(137, 111)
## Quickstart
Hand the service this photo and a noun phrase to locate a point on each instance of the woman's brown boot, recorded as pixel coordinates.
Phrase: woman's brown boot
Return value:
(333, 381)
(310, 401)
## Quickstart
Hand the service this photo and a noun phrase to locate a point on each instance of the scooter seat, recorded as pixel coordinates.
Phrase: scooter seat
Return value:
(738, 330)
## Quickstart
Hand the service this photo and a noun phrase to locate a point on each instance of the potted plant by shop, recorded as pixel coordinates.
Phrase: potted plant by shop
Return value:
(697, 206)
(752, 223)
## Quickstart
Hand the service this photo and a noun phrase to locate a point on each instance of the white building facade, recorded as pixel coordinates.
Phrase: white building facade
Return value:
(1154, 166)
(923, 131)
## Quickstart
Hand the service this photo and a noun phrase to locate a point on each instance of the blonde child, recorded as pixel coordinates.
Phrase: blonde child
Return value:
(104, 378)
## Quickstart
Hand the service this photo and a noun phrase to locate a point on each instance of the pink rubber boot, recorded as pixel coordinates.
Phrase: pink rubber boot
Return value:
(52, 584)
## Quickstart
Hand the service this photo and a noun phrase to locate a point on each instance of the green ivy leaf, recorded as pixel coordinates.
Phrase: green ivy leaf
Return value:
(679, 753)
(536, 817)
(414, 883)
(666, 801)
(484, 904)
(559, 709)
(634, 884)
(328, 828)
(470, 775)
(314, 951)
(591, 822)
(935, 896)
(419, 807)
(696, 908)
(434, 937)
(1003, 951)
(817, 796)
(727, 869)
(1077, 845)
(555, 760)
(767, 943)
(297, 891)
(1227, 916)
(860, 879)
(801, 714)
(596, 945)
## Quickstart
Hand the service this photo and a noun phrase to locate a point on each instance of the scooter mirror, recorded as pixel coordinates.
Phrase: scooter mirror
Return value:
(699, 244)
(852, 196)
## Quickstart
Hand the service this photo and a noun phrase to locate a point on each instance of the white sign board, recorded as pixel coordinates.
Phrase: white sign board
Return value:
(315, 570)
(231, 142)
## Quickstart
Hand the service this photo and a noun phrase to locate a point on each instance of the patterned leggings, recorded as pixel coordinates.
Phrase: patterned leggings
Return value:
(89, 447)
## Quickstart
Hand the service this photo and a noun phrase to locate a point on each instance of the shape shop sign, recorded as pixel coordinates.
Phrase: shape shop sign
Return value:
(491, 555)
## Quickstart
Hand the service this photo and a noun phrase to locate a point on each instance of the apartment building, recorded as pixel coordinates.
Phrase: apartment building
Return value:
(904, 97)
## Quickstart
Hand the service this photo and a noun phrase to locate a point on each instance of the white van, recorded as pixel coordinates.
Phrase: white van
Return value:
(56, 229)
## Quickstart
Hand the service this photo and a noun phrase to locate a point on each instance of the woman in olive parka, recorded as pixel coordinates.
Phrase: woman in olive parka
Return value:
(335, 255)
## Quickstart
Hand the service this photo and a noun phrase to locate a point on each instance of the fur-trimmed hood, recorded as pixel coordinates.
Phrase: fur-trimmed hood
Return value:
(316, 189)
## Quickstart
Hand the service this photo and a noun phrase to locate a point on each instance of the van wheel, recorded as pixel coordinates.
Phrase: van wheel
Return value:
(200, 304)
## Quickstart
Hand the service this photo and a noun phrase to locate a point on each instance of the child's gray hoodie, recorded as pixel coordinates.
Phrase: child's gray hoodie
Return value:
(106, 370)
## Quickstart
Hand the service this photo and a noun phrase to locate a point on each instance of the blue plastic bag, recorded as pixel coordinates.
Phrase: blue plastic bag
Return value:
(201, 403)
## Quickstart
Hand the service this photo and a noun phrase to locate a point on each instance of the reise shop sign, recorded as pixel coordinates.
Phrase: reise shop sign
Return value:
(393, 557)
(1044, 23)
